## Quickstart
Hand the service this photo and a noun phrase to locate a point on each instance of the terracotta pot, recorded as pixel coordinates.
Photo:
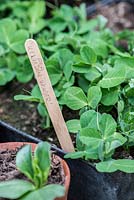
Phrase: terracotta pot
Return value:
(14, 145)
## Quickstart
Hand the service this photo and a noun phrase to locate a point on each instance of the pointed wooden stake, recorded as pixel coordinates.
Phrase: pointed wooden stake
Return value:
(49, 97)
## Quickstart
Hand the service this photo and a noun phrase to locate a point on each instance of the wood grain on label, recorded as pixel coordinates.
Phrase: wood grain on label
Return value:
(48, 94)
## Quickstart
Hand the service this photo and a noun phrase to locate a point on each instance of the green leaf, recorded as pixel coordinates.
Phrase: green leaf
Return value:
(7, 29)
(36, 26)
(14, 39)
(87, 26)
(73, 125)
(6, 75)
(75, 155)
(88, 54)
(54, 71)
(114, 77)
(115, 140)
(65, 56)
(42, 110)
(92, 74)
(100, 47)
(83, 83)
(107, 125)
(90, 132)
(90, 137)
(43, 158)
(14, 189)
(68, 70)
(75, 98)
(102, 21)
(54, 75)
(124, 165)
(120, 106)
(17, 41)
(57, 24)
(110, 96)
(24, 72)
(24, 161)
(50, 192)
(126, 63)
(12, 61)
(91, 153)
(69, 83)
(94, 96)
(81, 12)
(26, 98)
(36, 92)
(24, 77)
(81, 67)
(90, 119)
(3, 50)
(36, 10)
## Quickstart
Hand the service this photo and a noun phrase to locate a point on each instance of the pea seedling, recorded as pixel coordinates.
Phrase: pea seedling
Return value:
(36, 168)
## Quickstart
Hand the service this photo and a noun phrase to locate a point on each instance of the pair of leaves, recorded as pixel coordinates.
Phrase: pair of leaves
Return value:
(12, 37)
(83, 62)
(60, 64)
(41, 160)
(36, 13)
(88, 119)
(75, 98)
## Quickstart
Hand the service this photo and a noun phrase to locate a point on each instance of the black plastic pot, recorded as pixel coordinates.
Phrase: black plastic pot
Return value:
(86, 182)
(11, 134)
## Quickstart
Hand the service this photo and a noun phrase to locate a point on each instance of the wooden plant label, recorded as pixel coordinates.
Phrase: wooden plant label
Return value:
(48, 94)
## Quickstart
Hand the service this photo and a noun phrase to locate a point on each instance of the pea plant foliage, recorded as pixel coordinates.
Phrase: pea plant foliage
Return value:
(92, 73)
(36, 168)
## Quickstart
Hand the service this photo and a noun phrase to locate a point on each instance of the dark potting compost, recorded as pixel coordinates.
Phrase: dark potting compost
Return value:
(8, 170)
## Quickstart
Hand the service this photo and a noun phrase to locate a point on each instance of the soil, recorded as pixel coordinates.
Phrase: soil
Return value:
(121, 153)
(120, 15)
(23, 115)
(8, 170)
